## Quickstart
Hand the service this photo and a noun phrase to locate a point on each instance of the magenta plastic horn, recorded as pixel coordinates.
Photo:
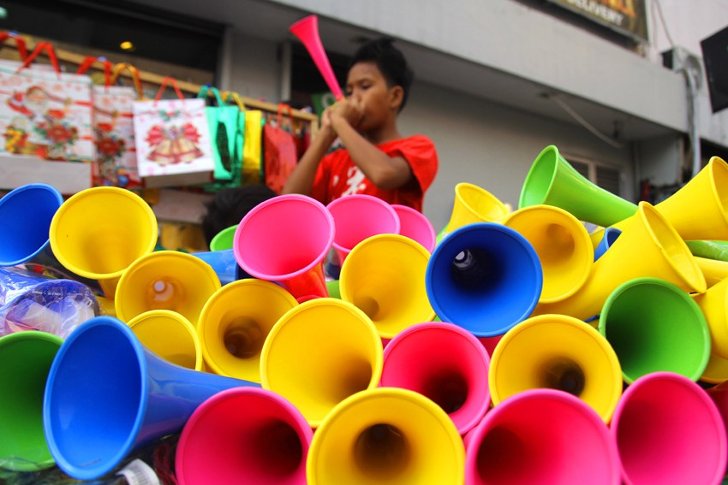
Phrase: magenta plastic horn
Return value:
(307, 32)
(446, 364)
(285, 240)
(244, 435)
(358, 217)
(541, 436)
(668, 430)
(415, 225)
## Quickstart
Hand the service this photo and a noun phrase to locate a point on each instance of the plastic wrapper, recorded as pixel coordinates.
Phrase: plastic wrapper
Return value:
(32, 302)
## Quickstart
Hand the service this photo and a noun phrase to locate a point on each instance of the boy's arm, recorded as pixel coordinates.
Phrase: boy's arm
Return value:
(300, 181)
(384, 171)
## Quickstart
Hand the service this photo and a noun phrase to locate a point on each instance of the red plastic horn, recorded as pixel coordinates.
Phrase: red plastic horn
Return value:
(307, 32)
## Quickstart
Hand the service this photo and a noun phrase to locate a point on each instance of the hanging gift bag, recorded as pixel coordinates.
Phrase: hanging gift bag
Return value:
(114, 126)
(46, 113)
(279, 151)
(172, 140)
(252, 141)
(227, 128)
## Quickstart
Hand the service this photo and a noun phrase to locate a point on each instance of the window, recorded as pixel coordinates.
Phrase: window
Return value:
(604, 176)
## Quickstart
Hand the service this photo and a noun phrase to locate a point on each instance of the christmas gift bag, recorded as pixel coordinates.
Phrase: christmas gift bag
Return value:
(172, 140)
(252, 141)
(227, 128)
(279, 152)
(45, 113)
(113, 121)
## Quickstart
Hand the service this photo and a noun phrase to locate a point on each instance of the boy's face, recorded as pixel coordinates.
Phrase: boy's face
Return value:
(368, 89)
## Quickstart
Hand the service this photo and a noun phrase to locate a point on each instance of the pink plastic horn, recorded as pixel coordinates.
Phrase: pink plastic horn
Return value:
(541, 436)
(445, 363)
(415, 225)
(285, 239)
(357, 217)
(668, 430)
(307, 32)
(244, 434)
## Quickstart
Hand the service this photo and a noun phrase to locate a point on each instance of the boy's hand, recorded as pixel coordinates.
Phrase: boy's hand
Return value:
(347, 110)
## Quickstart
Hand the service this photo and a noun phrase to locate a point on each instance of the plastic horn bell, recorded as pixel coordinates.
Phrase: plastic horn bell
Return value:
(285, 239)
(577, 360)
(26, 214)
(384, 276)
(648, 246)
(609, 235)
(541, 436)
(386, 435)
(307, 32)
(444, 363)
(169, 335)
(319, 353)
(26, 358)
(98, 232)
(357, 217)
(485, 278)
(668, 430)
(106, 395)
(165, 280)
(645, 320)
(552, 180)
(416, 226)
(473, 204)
(235, 322)
(223, 239)
(244, 434)
(562, 245)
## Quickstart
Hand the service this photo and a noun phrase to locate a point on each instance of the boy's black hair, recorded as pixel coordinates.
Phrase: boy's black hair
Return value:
(229, 206)
(390, 61)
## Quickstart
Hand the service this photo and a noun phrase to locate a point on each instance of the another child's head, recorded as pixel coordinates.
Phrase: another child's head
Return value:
(380, 79)
(230, 205)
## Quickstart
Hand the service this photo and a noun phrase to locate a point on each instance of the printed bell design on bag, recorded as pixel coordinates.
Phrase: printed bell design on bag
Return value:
(174, 144)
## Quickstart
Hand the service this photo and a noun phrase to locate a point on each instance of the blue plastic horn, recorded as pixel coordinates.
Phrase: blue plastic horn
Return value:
(26, 214)
(484, 277)
(106, 395)
(610, 235)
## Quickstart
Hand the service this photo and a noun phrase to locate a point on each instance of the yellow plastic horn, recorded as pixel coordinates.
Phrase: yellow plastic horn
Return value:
(169, 335)
(319, 353)
(563, 247)
(98, 232)
(699, 210)
(165, 280)
(386, 435)
(473, 204)
(706, 193)
(714, 270)
(714, 304)
(235, 322)
(648, 246)
(384, 276)
(577, 360)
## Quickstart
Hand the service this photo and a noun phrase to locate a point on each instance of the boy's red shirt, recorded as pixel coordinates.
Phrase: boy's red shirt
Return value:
(337, 175)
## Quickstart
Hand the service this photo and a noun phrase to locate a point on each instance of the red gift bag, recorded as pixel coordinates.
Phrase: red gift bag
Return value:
(279, 152)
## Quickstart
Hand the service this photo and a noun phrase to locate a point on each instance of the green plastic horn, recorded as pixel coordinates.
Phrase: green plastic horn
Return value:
(26, 359)
(553, 181)
(655, 326)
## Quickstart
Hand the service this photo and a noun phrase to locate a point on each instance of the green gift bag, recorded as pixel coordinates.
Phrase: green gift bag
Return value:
(227, 130)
